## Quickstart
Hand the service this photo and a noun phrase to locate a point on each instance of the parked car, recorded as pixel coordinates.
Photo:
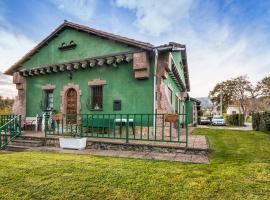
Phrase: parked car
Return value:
(218, 121)
(205, 121)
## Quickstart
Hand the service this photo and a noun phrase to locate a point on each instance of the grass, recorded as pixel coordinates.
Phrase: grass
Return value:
(239, 169)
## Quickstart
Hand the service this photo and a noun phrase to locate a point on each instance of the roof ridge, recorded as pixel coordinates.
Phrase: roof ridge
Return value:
(69, 23)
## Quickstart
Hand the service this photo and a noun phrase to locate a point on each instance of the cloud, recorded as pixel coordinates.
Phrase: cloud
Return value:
(155, 17)
(216, 49)
(7, 89)
(12, 47)
(82, 9)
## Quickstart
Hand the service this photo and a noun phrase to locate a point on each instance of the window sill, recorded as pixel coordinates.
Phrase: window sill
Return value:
(96, 109)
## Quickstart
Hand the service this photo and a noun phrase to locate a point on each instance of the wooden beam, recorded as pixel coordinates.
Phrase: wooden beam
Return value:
(25, 73)
(84, 64)
(36, 72)
(119, 58)
(62, 68)
(129, 57)
(69, 67)
(76, 65)
(30, 73)
(48, 70)
(93, 63)
(54, 68)
(42, 71)
(100, 61)
(110, 60)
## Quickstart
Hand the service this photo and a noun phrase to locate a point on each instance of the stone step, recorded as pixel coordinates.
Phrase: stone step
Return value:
(15, 148)
(27, 143)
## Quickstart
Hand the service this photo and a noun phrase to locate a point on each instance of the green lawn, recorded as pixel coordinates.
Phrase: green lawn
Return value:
(239, 169)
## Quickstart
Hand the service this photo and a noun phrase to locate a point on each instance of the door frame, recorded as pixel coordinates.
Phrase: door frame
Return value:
(63, 94)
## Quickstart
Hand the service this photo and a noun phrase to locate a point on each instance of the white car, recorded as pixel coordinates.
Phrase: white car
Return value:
(218, 121)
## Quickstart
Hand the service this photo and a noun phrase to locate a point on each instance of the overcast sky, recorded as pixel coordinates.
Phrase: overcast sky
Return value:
(224, 38)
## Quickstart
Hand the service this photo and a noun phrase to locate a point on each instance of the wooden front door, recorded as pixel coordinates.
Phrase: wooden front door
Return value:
(71, 105)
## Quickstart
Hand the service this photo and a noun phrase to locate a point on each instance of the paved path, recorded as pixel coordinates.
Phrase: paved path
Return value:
(196, 143)
(177, 157)
(247, 127)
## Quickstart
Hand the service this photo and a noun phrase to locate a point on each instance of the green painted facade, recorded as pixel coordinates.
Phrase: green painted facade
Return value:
(176, 91)
(189, 107)
(136, 95)
(87, 46)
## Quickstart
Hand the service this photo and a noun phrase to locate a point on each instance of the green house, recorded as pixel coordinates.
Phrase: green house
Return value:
(81, 70)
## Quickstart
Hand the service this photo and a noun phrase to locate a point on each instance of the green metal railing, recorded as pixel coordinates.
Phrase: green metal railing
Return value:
(10, 128)
(144, 127)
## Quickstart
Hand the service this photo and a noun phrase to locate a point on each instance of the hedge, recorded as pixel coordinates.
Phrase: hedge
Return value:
(261, 121)
(235, 119)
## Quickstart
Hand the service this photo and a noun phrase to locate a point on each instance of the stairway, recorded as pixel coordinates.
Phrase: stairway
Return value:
(23, 144)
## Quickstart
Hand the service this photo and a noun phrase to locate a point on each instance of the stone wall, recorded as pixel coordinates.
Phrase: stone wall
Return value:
(163, 67)
(19, 106)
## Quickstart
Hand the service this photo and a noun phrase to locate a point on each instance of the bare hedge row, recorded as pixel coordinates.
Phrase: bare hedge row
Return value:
(261, 121)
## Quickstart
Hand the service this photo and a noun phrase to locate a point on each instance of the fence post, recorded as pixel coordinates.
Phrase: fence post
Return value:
(46, 125)
(127, 129)
(20, 125)
(186, 122)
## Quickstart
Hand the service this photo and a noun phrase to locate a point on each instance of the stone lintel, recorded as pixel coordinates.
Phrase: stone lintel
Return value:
(96, 82)
(48, 87)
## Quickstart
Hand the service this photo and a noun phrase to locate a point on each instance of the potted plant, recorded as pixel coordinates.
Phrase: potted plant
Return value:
(171, 117)
(73, 139)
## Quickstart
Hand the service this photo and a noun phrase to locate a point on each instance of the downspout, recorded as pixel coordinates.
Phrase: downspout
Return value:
(155, 87)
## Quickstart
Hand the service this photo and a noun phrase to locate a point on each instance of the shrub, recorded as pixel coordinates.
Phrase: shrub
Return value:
(261, 121)
(235, 119)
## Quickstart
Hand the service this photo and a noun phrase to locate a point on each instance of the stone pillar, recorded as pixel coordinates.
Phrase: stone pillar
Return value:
(163, 66)
(19, 107)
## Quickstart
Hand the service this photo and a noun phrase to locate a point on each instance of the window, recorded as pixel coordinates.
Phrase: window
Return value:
(97, 97)
(116, 105)
(48, 100)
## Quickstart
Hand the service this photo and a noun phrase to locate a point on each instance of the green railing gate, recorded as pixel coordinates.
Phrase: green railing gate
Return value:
(10, 128)
(143, 127)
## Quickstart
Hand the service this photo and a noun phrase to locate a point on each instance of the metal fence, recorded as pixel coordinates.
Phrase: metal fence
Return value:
(10, 128)
(144, 127)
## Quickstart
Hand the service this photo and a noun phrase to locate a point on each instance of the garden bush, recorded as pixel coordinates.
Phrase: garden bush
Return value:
(235, 119)
(261, 121)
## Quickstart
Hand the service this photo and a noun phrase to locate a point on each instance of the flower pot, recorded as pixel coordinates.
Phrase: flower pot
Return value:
(57, 117)
(73, 143)
(171, 118)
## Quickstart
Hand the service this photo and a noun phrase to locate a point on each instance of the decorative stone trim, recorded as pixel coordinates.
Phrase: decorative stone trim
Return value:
(97, 82)
(106, 60)
(63, 94)
(48, 87)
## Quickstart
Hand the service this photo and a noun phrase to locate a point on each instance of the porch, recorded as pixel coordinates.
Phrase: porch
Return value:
(196, 143)
(159, 136)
